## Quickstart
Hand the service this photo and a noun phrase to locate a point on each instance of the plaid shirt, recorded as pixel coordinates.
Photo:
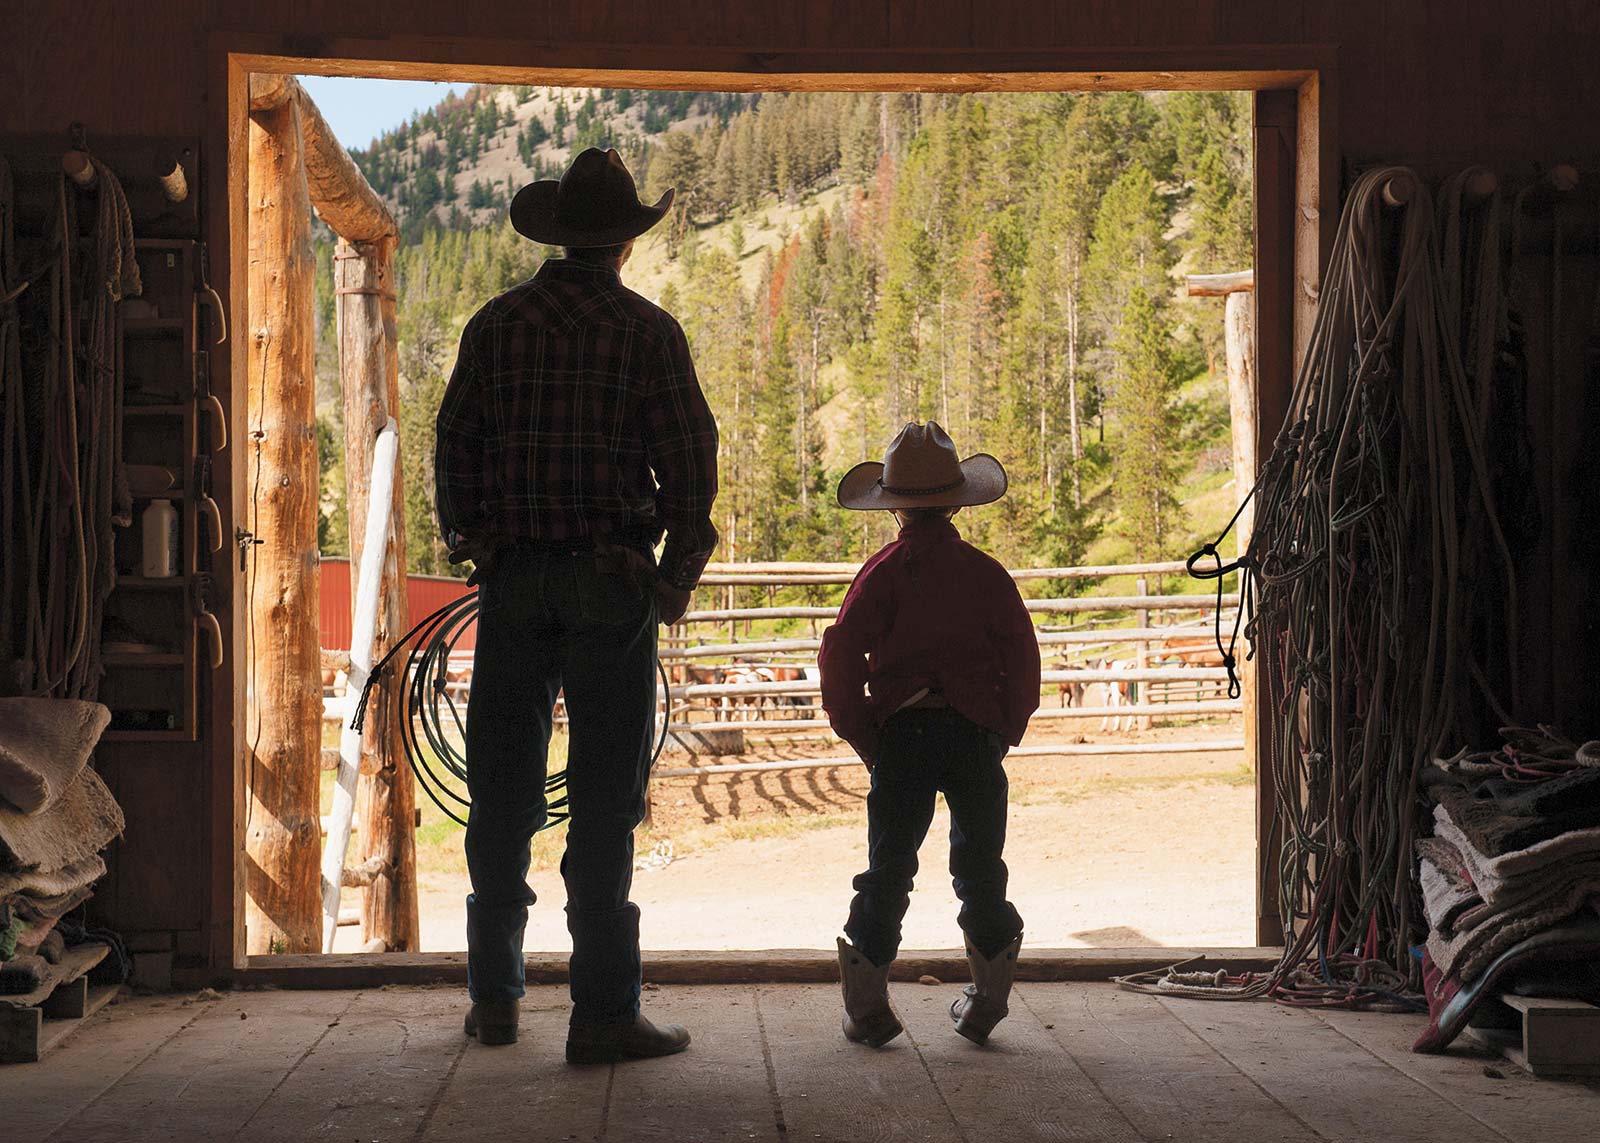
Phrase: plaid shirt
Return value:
(574, 412)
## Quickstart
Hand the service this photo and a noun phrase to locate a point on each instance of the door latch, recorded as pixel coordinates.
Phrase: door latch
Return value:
(246, 540)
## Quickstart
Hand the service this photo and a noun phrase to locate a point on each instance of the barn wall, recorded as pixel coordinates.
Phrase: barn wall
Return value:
(1434, 79)
(1433, 83)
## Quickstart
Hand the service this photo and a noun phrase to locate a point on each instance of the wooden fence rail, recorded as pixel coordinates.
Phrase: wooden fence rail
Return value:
(705, 702)
(783, 573)
(1065, 750)
(1037, 606)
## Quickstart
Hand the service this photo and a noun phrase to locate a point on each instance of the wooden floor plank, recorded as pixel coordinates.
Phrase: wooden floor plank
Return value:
(1167, 1081)
(715, 1091)
(523, 1091)
(838, 1092)
(1073, 1061)
(1020, 1086)
(1505, 1098)
(373, 1076)
(1337, 1088)
(40, 1097)
(207, 1081)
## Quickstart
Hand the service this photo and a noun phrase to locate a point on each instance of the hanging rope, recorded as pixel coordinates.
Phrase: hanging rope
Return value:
(1371, 514)
(62, 480)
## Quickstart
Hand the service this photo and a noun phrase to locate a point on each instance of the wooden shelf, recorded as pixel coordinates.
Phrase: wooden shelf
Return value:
(154, 410)
(176, 492)
(143, 659)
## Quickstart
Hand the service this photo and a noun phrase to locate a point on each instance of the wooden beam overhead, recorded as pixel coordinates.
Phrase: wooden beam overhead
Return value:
(340, 193)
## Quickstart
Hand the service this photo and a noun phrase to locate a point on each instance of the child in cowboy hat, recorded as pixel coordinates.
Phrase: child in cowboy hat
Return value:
(930, 673)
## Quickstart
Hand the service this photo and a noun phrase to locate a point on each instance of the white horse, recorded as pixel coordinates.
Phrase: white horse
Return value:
(1118, 693)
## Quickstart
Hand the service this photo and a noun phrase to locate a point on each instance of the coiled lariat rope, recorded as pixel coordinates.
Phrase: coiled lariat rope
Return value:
(433, 728)
(1374, 509)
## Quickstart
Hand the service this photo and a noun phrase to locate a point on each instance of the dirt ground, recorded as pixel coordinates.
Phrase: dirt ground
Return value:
(1132, 850)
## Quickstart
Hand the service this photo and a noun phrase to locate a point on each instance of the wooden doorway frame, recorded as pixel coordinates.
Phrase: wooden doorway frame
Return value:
(1296, 196)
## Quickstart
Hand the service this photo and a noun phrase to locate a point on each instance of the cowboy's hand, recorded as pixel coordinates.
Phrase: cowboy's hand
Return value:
(868, 754)
(671, 602)
(478, 549)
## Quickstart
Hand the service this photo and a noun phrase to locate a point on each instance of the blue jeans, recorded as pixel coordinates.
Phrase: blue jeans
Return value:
(549, 620)
(923, 753)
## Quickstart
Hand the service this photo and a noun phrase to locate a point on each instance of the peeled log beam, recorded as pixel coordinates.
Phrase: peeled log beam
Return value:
(339, 190)
(1216, 285)
(268, 92)
(363, 278)
(284, 714)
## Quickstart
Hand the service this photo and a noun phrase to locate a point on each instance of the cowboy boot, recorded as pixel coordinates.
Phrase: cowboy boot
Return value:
(868, 1017)
(493, 1021)
(983, 1005)
(636, 1039)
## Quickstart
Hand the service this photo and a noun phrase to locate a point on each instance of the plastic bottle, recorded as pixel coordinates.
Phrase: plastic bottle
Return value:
(159, 535)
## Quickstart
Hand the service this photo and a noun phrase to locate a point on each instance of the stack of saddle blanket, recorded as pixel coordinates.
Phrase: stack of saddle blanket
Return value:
(1514, 856)
(56, 815)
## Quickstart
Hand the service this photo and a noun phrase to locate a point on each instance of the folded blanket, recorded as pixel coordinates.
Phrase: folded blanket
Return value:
(1520, 893)
(36, 910)
(1444, 898)
(44, 743)
(23, 974)
(1488, 869)
(34, 883)
(1466, 952)
(1451, 1001)
(82, 823)
(1445, 857)
(1494, 830)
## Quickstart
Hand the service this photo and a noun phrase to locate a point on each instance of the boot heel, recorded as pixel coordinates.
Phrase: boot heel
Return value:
(875, 1030)
(977, 1019)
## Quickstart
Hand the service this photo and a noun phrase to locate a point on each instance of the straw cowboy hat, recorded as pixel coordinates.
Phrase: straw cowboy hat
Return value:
(594, 203)
(921, 470)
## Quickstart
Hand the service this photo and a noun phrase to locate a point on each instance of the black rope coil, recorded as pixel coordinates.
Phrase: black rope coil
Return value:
(430, 713)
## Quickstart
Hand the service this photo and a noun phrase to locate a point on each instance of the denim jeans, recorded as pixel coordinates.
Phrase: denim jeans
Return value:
(549, 620)
(923, 753)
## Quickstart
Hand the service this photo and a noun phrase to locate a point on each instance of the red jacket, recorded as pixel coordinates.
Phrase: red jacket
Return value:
(930, 610)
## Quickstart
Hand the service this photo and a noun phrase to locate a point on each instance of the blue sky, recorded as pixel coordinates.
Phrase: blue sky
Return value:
(359, 110)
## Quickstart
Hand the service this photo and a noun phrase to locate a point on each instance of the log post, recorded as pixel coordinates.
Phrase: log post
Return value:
(1141, 655)
(284, 709)
(364, 284)
(1239, 339)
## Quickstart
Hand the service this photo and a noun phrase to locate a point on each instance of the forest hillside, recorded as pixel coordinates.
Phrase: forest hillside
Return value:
(1008, 264)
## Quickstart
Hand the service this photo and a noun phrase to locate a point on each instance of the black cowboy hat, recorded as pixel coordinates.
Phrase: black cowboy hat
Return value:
(594, 203)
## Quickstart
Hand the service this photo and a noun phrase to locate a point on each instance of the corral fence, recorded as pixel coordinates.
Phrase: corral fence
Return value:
(744, 672)
(1124, 659)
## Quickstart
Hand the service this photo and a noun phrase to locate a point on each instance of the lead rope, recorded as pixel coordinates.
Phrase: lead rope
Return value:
(1351, 594)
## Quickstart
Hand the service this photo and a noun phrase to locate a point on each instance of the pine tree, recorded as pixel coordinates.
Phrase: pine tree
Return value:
(1128, 252)
(1145, 462)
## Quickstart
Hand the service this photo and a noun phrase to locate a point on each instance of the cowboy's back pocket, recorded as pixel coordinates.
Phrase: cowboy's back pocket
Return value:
(611, 597)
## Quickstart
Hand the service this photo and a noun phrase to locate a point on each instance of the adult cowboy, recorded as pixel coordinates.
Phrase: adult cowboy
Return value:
(572, 434)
